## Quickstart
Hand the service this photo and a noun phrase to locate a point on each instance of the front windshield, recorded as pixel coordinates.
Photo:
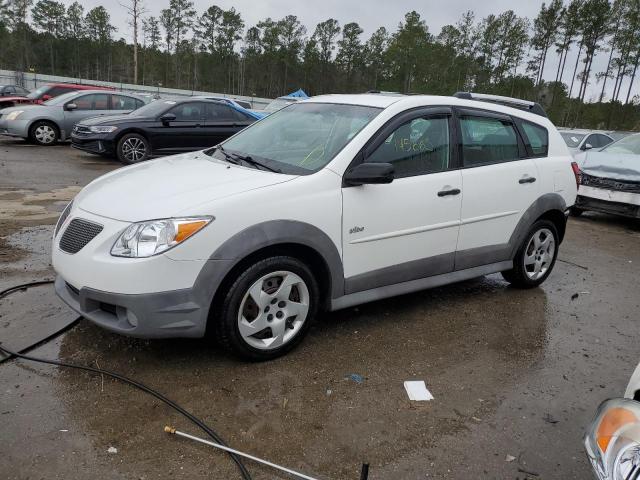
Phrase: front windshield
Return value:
(277, 104)
(627, 145)
(572, 139)
(61, 99)
(38, 92)
(302, 138)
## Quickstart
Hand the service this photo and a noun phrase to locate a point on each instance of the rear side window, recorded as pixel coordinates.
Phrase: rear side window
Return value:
(487, 140)
(417, 147)
(121, 102)
(93, 101)
(538, 138)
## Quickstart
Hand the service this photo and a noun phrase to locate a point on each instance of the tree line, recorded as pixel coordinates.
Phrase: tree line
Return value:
(215, 50)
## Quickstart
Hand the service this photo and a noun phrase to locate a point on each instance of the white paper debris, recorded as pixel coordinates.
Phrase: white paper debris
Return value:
(417, 391)
(112, 450)
(509, 458)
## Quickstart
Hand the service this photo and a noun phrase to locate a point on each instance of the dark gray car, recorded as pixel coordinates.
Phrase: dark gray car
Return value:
(54, 120)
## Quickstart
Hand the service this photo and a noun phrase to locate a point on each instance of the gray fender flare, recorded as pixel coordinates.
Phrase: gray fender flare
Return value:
(262, 235)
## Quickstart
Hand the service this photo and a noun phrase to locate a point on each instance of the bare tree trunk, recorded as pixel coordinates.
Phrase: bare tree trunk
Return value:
(575, 69)
(633, 77)
(606, 75)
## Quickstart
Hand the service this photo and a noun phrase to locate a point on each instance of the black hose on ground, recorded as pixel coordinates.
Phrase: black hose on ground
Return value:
(209, 431)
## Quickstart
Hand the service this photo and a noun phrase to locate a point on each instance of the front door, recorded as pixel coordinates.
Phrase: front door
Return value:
(499, 184)
(181, 134)
(92, 104)
(407, 229)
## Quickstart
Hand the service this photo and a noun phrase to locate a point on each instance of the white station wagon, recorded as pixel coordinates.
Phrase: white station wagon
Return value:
(329, 203)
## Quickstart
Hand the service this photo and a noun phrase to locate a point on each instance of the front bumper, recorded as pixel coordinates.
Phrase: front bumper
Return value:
(603, 200)
(92, 144)
(15, 128)
(153, 315)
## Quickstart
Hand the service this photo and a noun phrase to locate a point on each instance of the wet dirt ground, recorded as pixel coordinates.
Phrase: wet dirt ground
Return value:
(516, 375)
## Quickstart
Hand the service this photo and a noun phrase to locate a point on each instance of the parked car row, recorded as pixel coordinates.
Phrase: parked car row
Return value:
(42, 94)
(109, 123)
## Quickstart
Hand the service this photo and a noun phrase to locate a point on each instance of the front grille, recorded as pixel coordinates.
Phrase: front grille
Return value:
(610, 184)
(78, 234)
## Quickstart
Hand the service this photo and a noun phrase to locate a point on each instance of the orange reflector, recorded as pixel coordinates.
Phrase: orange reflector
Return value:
(611, 423)
(185, 230)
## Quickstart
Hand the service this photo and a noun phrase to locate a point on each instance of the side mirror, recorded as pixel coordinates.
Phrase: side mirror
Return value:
(167, 117)
(369, 173)
(587, 146)
(70, 106)
(46, 97)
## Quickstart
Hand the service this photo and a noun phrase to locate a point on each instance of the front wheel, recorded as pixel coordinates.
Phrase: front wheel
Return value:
(536, 257)
(44, 133)
(268, 309)
(133, 148)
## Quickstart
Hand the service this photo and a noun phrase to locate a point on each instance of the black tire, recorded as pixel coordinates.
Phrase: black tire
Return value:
(44, 133)
(520, 275)
(133, 148)
(226, 321)
(575, 211)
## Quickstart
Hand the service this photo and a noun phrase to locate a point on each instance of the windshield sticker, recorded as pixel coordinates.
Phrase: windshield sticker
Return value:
(574, 139)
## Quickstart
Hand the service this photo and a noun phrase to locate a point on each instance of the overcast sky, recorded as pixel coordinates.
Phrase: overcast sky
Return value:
(370, 14)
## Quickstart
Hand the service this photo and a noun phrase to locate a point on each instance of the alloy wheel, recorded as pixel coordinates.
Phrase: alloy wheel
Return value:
(539, 253)
(273, 310)
(134, 149)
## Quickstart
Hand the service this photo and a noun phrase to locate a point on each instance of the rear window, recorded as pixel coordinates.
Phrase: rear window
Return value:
(487, 140)
(538, 138)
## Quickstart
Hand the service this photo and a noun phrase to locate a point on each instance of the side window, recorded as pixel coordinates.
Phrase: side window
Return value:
(538, 138)
(217, 112)
(120, 102)
(487, 140)
(597, 141)
(188, 112)
(56, 91)
(417, 147)
(139, 103)
(93, 101)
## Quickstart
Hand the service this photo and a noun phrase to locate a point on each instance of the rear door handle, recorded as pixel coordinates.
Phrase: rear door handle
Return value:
(527, 180)
(444, 193)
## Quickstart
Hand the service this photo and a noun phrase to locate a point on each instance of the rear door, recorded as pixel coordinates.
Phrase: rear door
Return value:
(499, 183)
(407, 229)
(221, 122)
(183, 133)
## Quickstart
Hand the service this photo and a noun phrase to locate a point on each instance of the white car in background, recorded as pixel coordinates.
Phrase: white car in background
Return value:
(328, 203)
(610, 179)
(612, 441)
(582, 140)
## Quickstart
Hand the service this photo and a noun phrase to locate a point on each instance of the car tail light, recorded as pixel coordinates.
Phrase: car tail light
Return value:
(577, 173)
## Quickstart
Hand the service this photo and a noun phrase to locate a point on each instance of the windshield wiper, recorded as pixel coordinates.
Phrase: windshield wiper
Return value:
(228, 156)
(250, 160)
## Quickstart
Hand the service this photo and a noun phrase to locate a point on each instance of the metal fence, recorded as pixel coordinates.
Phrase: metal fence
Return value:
(34, 80)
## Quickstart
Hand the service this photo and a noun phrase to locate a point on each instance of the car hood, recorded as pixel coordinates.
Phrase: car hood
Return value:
(31, 110)
(16, 99)
(111, 119)
(615, 166)
(169, 187)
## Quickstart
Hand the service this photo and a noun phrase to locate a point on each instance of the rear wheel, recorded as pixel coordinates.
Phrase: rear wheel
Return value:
(536, 256)
(268, 309)
(133, 148)
(44, 133)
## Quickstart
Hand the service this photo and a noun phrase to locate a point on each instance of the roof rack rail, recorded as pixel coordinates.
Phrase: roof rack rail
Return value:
(526, 105)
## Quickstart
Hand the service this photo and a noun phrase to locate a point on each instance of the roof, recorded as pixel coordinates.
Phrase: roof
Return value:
(78, 86)
(401, 102)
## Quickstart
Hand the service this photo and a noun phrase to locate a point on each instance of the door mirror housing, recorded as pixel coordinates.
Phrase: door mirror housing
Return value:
(70, 106)
(167, 117)
(587, 146)
(369, 173)
(46, 97)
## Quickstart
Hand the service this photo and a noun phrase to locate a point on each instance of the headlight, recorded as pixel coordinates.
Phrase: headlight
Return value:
(613, 440)
(145, 239)
(15, 114)
(101, 129)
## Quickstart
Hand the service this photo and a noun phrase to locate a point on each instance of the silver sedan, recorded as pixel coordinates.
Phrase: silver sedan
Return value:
(54, 120)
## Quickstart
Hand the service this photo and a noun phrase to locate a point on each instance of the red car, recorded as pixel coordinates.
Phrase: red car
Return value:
(47, 92)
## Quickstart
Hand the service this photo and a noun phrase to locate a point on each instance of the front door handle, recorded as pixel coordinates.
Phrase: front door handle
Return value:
(527, 180)
(444, 193)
